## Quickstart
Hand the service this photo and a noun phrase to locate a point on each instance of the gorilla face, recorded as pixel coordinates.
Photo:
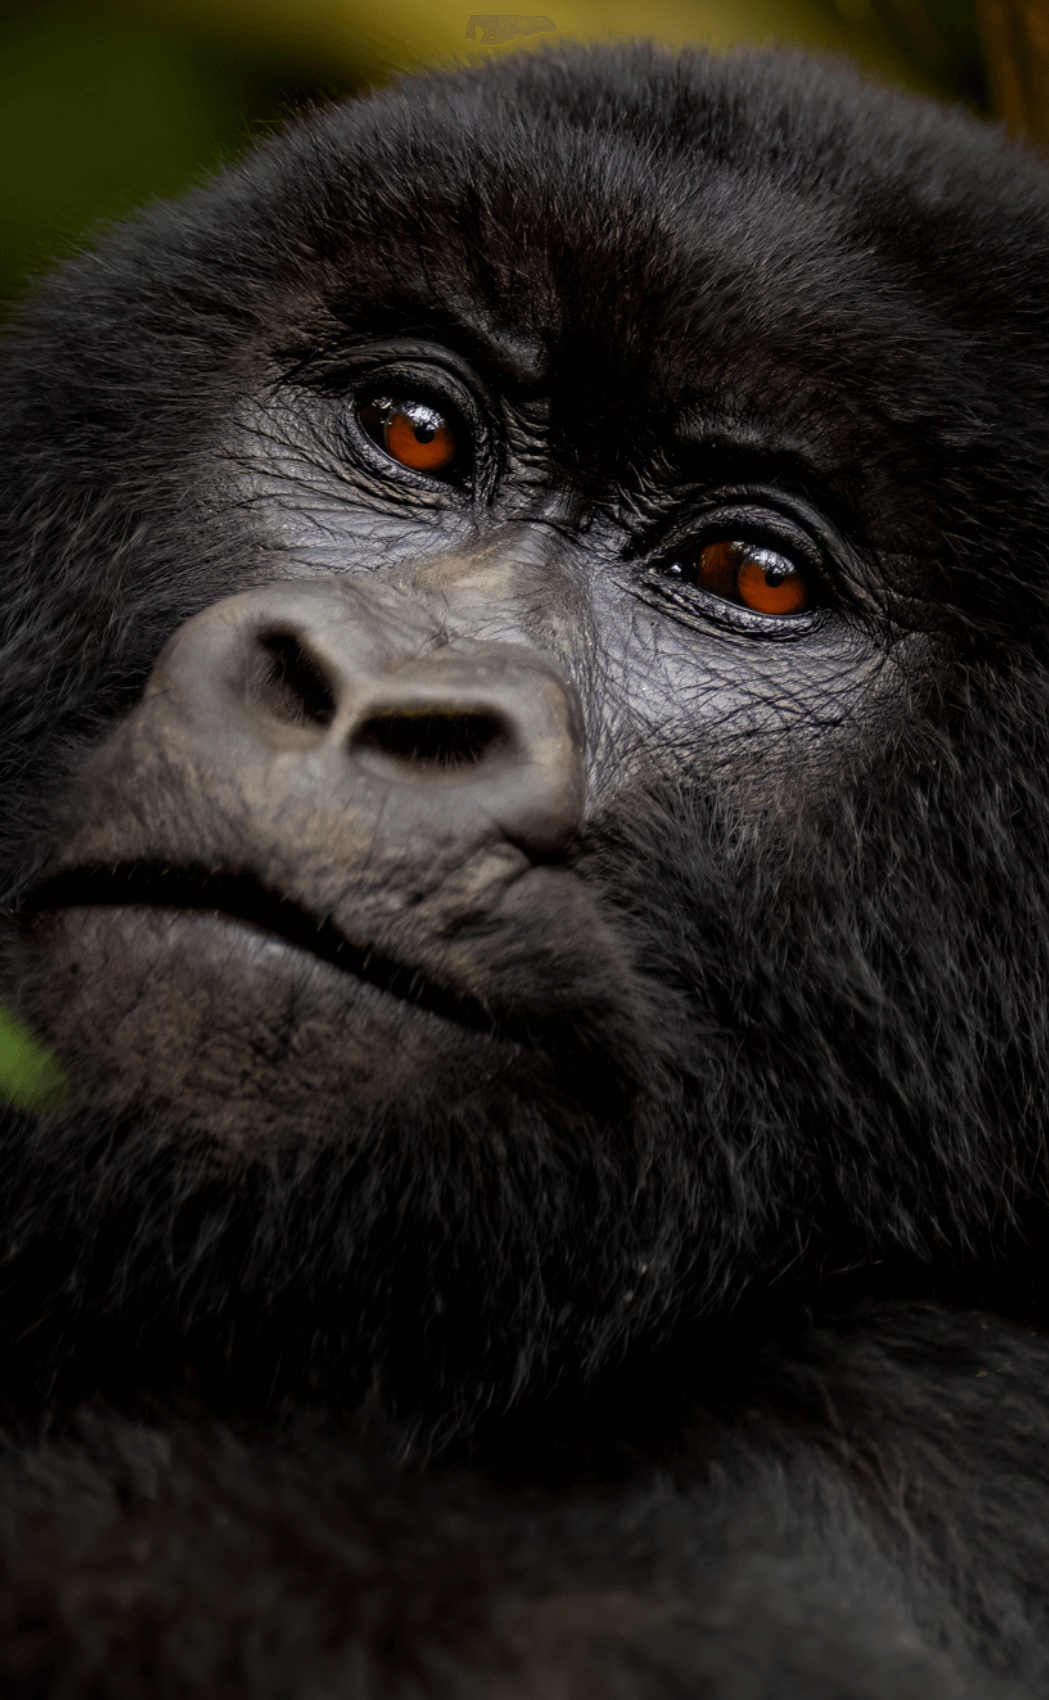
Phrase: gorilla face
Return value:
(524, 621)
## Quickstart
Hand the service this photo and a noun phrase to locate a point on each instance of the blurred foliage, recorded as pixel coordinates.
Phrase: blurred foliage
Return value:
(30, 1075)
(101, 111)
(1016, 48)
(107, 103)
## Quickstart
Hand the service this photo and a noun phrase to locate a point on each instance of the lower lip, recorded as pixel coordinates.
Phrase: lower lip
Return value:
(208, 942)
(233, 1034)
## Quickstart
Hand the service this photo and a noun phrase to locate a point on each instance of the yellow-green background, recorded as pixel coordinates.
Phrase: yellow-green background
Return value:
(105, 103)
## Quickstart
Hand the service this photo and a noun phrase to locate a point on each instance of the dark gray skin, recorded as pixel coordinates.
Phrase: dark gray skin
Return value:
(552, 1193)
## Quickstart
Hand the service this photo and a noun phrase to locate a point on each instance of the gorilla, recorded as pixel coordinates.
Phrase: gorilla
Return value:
(525, 772)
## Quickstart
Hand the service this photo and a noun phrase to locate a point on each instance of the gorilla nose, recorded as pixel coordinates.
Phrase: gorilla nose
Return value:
(354, 694)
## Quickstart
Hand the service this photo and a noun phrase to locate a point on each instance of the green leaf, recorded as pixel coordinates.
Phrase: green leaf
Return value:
(31, 1076)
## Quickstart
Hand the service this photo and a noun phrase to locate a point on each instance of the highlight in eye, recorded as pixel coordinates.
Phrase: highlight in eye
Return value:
(758, 578)
(413, 433)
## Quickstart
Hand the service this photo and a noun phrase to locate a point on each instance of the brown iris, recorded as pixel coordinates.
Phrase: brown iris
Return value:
(413, 433)
(761, 579)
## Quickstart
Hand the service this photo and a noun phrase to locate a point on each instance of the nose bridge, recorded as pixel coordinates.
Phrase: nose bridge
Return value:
(502, 589)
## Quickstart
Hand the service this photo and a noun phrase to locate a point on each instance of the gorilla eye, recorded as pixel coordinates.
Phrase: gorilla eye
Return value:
(413, 433)
(761, 579)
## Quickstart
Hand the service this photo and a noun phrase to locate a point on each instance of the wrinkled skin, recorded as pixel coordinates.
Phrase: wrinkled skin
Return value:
(551, 1192)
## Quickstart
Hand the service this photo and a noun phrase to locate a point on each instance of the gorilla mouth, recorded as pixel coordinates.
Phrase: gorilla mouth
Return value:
(241, 897)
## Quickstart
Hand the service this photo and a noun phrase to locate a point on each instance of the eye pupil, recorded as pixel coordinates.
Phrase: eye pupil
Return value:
(424, 431)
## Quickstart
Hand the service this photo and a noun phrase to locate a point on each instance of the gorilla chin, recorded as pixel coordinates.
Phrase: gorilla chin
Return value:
(154, 1007)
(159, 991)
(251, 1129)
(524, 736)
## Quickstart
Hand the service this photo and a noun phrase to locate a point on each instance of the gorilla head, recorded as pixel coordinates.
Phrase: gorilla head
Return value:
(525, 735)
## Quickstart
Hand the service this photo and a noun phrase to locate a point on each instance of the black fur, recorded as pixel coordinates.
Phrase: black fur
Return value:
(694, 1344)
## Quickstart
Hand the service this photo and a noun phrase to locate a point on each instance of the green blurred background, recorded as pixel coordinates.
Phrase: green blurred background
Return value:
(107, 103)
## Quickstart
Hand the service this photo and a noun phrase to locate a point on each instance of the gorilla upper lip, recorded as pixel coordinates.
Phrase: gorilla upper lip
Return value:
(241, 896)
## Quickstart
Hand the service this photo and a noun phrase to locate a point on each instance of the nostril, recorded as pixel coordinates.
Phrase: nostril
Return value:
(290, 683)
(434, 738)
